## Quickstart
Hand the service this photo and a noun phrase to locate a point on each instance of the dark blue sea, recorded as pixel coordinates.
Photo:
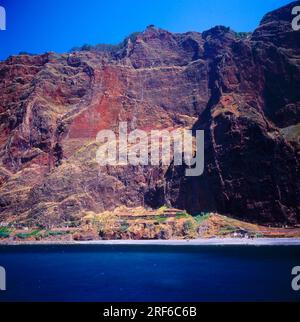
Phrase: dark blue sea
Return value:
(149, 273)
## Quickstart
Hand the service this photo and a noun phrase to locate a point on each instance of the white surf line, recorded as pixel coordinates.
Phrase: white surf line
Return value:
(192, 242)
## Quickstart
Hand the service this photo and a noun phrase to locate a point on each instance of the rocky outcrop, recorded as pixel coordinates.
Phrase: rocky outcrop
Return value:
(243, 92)
(252, 169)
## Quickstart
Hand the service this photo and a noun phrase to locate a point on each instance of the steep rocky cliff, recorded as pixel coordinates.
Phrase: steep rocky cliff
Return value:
(243, 91)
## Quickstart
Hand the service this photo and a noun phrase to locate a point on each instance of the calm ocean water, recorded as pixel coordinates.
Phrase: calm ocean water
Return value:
(149, 273)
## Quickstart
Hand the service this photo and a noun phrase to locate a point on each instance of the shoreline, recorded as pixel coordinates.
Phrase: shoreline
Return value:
(194, 242)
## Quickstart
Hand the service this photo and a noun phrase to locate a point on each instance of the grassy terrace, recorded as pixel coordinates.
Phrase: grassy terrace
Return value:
(140, 223)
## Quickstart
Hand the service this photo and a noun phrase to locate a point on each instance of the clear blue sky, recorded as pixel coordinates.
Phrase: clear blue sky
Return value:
(37, 26)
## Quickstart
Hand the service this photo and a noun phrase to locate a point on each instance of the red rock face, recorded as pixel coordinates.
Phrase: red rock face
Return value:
(252, 165)
(243, 92)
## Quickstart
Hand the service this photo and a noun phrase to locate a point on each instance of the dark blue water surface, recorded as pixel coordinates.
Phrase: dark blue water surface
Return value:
(149, 273)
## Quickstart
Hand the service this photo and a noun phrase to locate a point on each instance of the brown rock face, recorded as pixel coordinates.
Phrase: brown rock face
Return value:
(252, 166)
(245, 94)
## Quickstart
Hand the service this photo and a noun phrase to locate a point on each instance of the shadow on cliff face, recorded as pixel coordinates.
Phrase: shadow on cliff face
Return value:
(248, 175)
(251, 169)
